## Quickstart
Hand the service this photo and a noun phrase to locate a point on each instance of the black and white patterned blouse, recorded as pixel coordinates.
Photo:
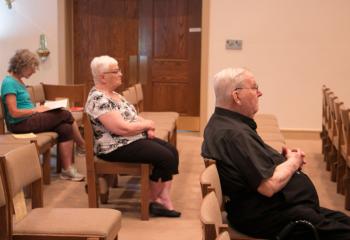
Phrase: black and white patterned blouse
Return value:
(99, 103)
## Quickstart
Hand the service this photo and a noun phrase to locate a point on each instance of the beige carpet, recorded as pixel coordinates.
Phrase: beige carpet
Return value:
(185, 193)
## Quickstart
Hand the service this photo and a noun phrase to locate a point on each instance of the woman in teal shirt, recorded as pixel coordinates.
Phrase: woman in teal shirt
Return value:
(22, 116)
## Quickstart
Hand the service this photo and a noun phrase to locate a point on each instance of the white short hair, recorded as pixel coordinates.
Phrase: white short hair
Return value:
(225, 82)
(100, 65)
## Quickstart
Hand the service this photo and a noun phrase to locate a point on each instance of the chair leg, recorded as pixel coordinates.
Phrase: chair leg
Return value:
(46, 167)
(347, 188)
(104, 197)
(103, 187)
(327, 156)
(340, 175)
(58, 161)
(173, 139)
(4, 233)
(92, 189)
(144, 191)
(323, 136)
(333, 163)
(37, 194)
(115, 181)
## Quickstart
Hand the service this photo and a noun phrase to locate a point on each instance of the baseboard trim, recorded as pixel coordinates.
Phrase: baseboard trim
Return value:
(301, 134)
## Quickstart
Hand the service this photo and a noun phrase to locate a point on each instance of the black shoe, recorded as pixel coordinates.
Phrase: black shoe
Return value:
(158, 210)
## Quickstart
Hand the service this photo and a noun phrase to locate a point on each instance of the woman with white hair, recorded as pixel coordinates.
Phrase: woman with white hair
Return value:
(121, 135)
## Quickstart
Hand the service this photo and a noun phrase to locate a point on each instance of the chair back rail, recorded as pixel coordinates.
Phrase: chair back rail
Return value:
(133, 97)
(2, 118)
(345, 129)
(339, 145)
(74, 92)
(20, 171)
(325, 90)
(209, 180)
(139, 96)
(210, 216)
(59, 223)
(345, 153)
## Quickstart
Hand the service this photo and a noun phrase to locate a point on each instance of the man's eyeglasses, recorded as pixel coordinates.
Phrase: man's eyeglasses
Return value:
(256, 88)
(113, 72)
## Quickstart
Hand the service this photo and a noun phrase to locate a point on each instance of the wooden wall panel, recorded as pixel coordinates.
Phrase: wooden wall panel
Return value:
(170, 71)
(170, 29)
(104, 27)
(81, 44)
(170, 96)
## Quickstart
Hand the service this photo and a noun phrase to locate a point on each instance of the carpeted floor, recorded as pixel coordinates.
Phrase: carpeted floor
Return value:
(185, 193)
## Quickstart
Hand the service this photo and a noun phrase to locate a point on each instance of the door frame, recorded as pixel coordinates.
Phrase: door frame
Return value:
(203, 112)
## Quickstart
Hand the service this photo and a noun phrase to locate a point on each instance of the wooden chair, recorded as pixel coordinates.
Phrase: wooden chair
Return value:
(335, 125)
(4, 217)
(20, 168)
(161, 117)
(326, 125)
(266, 119)
(329, 152)
(268, 129)
(45, 142)
(212, 217)
(324, 132)
(165, 126)
(210, 182)
(345, 153)
(339, 166)
(75, 93)
(97, 167)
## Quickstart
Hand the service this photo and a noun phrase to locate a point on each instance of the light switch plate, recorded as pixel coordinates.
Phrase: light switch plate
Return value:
(234, 44)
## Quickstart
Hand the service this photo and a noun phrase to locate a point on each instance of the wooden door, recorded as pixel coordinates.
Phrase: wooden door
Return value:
(156, 42)
(171, 42)
(104, 27)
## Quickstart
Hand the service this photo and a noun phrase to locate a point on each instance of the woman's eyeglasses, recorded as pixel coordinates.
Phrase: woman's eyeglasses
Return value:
(113, 72)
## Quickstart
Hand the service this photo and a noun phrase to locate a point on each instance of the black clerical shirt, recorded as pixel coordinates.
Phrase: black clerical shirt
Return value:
(243, 161)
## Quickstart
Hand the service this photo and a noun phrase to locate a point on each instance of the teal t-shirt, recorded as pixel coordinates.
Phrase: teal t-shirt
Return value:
(12, 86)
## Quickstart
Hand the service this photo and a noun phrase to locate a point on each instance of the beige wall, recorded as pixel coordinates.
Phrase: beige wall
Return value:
(292, 46)
(21, 26)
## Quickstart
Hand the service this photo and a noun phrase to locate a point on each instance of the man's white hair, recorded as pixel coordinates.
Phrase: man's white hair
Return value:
(225, 82)
(101, 64)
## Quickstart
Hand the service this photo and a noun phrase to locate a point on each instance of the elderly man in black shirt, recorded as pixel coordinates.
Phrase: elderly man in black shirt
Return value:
(266, 189)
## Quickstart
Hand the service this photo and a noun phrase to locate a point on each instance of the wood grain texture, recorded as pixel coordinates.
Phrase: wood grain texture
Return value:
(157, 32)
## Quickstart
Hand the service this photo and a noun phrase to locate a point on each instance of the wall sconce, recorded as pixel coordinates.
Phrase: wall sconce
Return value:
(42, 51)
(9, 3)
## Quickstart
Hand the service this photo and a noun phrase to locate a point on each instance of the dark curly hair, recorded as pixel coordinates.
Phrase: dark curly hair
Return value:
(23, 58)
